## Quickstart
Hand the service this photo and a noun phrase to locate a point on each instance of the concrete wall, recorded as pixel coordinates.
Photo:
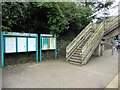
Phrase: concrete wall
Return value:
(19, 58)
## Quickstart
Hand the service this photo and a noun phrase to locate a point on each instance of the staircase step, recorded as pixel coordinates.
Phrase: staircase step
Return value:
(76, 58)
(79, 49)
(81, 46)
(76, 55)
(73, 60)
(75, 63)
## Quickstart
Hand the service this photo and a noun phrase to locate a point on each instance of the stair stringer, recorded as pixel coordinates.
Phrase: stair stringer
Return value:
(86, 59)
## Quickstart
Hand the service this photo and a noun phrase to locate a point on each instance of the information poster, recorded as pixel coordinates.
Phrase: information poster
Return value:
(21, 44)
(31, 44)
(10, 44)
(52, 43)
(45, 43)
(48, 43)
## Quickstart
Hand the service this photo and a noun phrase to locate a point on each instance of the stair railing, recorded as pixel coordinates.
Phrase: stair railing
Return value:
(97, 36)
(111, 22)
(79, 38)
(91, 42)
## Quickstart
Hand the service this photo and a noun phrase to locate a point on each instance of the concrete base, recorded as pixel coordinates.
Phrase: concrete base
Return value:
(102, 49)
(99, 51)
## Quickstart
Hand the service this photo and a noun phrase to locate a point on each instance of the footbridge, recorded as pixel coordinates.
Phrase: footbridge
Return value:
(91, 41)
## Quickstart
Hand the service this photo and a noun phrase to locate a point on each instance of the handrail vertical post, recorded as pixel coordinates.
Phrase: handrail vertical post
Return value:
(81, 54)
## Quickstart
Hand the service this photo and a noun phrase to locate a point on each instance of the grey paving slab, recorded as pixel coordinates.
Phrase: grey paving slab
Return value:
(97, 73)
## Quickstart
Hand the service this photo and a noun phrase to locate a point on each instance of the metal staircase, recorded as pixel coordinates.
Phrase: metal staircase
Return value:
(82, 47)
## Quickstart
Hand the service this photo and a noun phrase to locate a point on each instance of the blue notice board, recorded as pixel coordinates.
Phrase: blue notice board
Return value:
(48, 42)
(13, 42)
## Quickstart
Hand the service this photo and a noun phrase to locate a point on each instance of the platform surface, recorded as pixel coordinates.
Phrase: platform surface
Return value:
(97, 73)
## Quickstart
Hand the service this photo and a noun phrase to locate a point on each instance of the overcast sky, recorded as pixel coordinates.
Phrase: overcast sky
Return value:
(113, 10)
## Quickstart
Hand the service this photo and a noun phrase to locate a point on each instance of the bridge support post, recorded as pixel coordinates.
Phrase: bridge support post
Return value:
(102, 49)
(97, 51)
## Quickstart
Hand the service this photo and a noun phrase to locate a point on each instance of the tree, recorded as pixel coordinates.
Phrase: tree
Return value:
(14, 15)
(101, 7)
(77, 15)
(45, 17)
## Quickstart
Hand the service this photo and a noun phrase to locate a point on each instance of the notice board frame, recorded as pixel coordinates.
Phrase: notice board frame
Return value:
(17, 35)
(55, 49)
